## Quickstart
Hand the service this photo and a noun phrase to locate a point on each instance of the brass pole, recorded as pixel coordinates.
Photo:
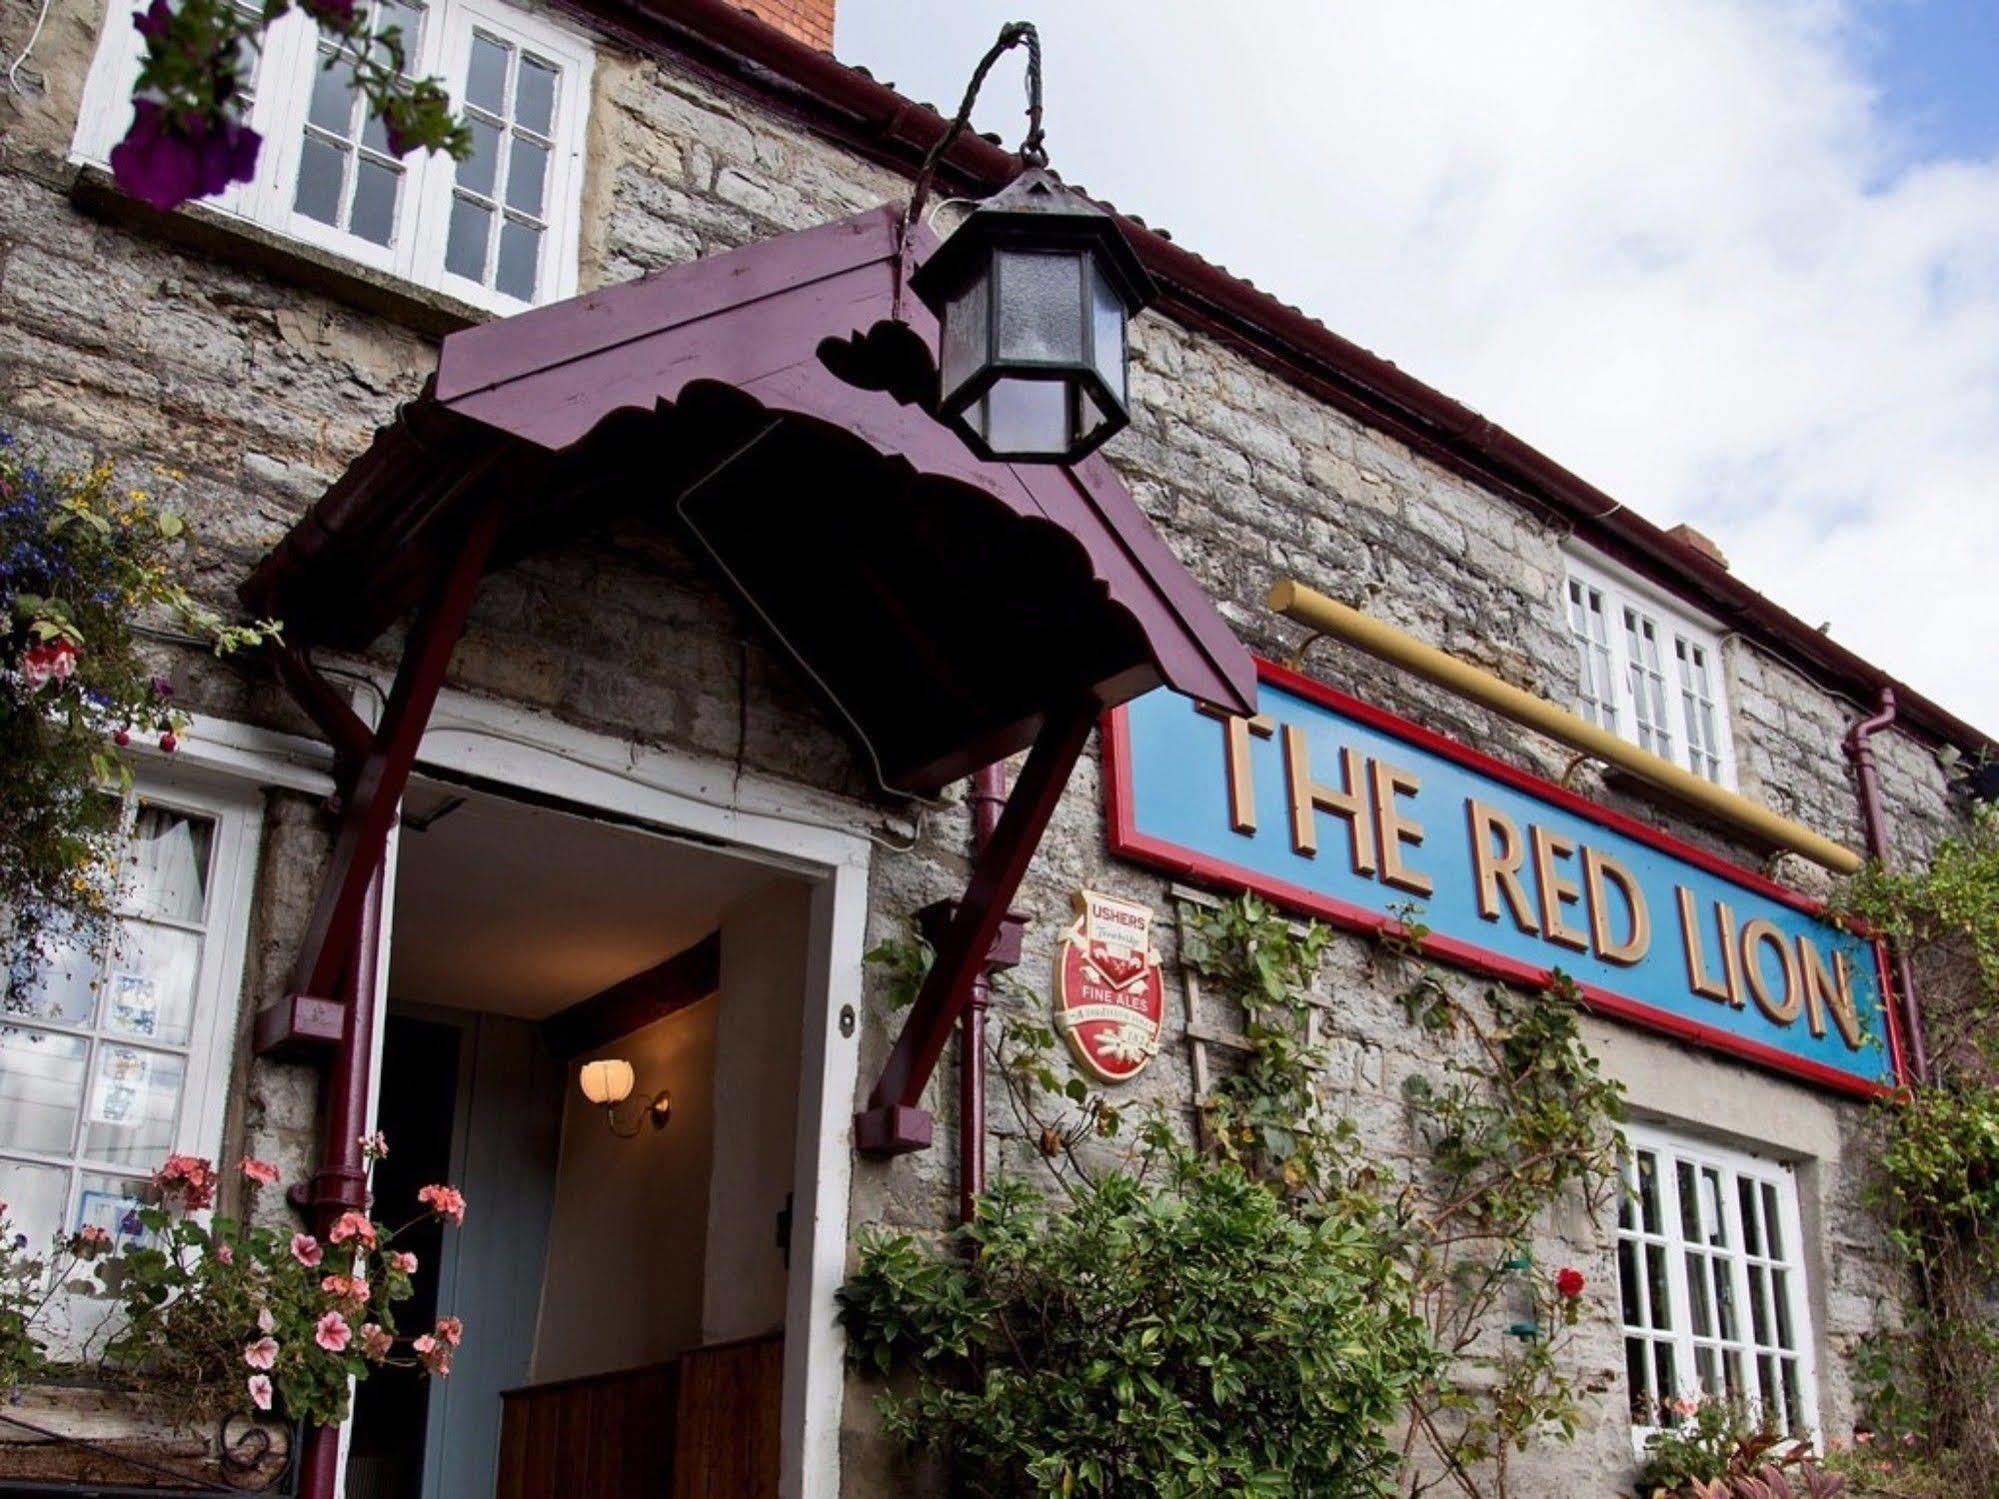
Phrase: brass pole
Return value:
(1330, 617)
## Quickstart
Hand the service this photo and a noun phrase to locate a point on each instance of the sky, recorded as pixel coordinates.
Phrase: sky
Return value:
(1736, 262)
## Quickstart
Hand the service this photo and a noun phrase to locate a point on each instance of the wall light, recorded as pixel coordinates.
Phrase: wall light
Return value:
(607, 1083)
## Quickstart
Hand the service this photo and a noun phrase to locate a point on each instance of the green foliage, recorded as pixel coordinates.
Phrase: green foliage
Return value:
(1255, 1314)
(1172, 1332)
(219, 1315)
(81, 564)
(1930, 1392)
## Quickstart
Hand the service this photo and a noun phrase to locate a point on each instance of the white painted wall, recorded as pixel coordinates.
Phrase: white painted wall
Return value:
(627, 1240)
(765, 937)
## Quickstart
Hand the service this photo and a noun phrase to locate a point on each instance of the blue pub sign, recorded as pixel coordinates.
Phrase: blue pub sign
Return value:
(1338, 810)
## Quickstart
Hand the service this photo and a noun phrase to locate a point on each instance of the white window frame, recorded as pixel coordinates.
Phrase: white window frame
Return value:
(278, 112)
(1670, 1148)
(1673, 626)
(237, 814)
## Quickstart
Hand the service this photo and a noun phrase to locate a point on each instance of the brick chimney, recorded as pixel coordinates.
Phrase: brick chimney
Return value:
(1700, 542)
(810, 21)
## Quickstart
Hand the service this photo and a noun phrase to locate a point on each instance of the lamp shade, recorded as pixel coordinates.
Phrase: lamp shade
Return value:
(607, 1081)
(1034, 291)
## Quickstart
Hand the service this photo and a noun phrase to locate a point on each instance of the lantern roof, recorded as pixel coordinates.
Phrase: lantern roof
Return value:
(1039, 207)
(769, 408)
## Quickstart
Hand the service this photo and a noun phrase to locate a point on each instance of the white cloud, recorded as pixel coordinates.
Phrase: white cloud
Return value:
(1676, 244)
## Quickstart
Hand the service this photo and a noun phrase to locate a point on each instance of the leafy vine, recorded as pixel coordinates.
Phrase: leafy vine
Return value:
(1271, 1308)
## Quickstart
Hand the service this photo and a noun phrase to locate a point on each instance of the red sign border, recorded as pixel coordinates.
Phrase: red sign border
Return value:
(1127, 842)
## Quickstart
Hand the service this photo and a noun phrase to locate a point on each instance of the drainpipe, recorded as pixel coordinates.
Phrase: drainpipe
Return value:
(341, 1182)
(1874, 825)
(987, 797)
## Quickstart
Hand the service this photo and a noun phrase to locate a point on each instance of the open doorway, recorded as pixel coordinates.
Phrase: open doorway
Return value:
(613, 1259)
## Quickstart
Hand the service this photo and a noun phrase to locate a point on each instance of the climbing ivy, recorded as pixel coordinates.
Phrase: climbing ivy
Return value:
(1272, 1308)
(1929, 1390)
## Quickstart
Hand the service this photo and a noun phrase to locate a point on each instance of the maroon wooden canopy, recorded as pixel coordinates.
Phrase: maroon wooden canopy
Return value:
(764, 404)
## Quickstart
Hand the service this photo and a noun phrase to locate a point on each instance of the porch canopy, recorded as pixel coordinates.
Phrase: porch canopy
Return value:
(770, 407)
(943, 602)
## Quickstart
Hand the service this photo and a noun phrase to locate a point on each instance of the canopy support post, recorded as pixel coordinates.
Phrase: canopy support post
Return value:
(371, 792)
(894, 1122)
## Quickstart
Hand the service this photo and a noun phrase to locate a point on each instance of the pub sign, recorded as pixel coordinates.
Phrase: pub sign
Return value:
(1335, 808)
(1110, 1000)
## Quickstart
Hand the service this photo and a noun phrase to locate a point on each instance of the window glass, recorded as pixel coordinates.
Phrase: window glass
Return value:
(94, 1045)
(1645, 674)
(347, 179)
(499, 200)
(1711, 1305)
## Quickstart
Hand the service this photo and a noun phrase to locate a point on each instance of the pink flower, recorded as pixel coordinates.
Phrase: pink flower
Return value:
(186, 1180)
(90, 1241)
(450, 1331)
(353, 1226)
(225, 1253)
(260, 1391)
(1862, 1438)
(266, 1323)
(375, 1342)
(435, 1356)
(50, 661)
(1682, 1405)
(446, 1202)
(349, 1290)
(332, 1333)
(261, 1172)
(374, 1147)
(262, 1354)
(402, 1260)
(306, 1250)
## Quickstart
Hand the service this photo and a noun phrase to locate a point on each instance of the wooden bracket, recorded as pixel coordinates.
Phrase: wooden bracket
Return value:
(894, 1122)
(372, 791)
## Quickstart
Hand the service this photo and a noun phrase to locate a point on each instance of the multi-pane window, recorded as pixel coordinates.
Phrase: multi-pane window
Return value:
(499, 216)
(1697, 699)
(1596, 692)
(1712, 1285)
(1646, 673)
(110, 1051)
(348, 178)
(1648, 683)
(498, 229)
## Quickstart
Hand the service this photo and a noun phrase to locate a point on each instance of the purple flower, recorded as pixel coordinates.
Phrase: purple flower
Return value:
(154, 22)
(335, 13)
(165, 165)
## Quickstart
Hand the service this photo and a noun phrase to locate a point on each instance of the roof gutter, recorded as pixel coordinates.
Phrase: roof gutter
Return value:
(848, 105)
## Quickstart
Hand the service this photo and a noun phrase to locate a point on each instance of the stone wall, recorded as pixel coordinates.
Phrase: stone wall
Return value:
(260, 389)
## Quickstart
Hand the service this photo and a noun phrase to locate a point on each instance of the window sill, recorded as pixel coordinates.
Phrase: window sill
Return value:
(251, 247)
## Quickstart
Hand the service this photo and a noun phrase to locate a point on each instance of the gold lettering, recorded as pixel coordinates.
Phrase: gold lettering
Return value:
(1235, 755)
(1394, 830)
(1829, 988)
(1729, 990)
(1759, 932)
(1498, 870)
(1557, 891)
(1597, 869)
(1309, 798)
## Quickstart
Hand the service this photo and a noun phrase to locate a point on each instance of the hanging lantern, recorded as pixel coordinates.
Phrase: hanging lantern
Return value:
(1034, 291)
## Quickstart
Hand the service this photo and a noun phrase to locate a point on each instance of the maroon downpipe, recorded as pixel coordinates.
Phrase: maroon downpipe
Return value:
(987, 798)
(341, 1182)
(1874, 826)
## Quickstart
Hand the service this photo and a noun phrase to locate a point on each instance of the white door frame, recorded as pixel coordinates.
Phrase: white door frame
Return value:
(792, 828)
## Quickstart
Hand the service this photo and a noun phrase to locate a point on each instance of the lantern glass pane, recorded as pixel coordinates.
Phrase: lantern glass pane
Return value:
(1026, 417)
(1089, 417)
(1107, 348)
(1040, 307)
(965, 333)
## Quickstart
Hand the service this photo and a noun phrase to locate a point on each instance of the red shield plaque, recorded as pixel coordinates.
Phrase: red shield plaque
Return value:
(1110, 1000)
